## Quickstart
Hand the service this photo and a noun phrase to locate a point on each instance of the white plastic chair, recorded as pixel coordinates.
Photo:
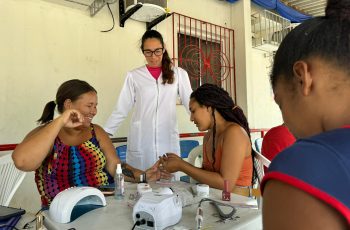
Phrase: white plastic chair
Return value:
(260, 161)
(195, 156)
(10, 179)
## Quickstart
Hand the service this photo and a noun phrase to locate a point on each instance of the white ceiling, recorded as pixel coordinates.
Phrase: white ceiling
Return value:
(310, 7)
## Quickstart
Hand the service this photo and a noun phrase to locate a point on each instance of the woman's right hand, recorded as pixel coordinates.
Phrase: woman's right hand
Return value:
(72, 118)
(171, 162)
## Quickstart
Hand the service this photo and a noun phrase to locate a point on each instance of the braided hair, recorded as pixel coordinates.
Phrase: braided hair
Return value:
(218, 99)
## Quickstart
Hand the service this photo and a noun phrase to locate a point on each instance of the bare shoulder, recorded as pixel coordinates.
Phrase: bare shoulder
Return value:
(100, 131)
(234, 130)
(34, 131)
(286, 207)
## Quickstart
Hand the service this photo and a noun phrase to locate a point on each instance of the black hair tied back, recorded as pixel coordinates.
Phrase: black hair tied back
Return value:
(338, 9)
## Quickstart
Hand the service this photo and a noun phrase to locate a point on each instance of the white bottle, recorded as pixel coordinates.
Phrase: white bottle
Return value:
(119, 183)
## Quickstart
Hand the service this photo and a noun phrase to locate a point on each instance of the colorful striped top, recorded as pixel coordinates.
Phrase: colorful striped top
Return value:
(68, 166)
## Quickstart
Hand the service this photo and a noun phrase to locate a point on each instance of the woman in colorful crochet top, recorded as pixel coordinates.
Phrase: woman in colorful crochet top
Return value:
(70, 150)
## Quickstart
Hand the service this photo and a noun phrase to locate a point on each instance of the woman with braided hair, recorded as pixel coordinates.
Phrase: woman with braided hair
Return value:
(308, 184)
(227, 150)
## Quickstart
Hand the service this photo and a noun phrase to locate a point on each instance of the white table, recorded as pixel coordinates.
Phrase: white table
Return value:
(118, 215)
(26, 218)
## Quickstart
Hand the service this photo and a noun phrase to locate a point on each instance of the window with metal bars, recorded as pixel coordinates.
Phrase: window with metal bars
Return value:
(205, 51)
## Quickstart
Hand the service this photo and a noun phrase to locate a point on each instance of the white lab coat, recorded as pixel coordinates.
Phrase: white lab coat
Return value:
(153, 130)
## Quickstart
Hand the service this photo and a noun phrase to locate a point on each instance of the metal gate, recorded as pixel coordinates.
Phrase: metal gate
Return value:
(205, 51)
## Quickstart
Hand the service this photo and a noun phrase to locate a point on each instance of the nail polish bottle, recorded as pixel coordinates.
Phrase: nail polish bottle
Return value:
(226, 193)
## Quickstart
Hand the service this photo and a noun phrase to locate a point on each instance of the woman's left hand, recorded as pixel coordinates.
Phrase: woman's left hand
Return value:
(156, 172)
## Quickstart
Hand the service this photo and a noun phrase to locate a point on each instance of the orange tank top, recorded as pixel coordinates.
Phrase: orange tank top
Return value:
(245, 175)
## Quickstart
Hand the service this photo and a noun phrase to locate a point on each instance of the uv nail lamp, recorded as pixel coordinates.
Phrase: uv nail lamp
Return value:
(74, 202)
(157, 211)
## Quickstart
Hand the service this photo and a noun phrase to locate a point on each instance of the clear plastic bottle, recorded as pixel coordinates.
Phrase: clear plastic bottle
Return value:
(119, 183)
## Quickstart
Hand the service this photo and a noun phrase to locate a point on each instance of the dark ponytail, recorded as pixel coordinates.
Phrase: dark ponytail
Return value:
(326, 37)
(167, 70)
(338, 9)
(71, 90)
(48, 113)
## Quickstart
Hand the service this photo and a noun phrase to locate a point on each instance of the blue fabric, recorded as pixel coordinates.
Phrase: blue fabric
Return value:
(290, 13)
(285, 11)
(267, 4)
(322, 161)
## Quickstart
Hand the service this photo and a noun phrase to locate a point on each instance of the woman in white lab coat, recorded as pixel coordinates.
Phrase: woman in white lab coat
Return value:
(152, 91)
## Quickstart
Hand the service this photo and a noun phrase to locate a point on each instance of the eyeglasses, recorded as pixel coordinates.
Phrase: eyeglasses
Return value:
(156, 52)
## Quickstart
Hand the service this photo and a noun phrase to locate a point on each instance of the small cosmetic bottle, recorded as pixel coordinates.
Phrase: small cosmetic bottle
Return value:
(119, 183)
(226, 193)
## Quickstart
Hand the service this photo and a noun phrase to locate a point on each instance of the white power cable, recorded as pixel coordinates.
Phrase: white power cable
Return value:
(199, 218)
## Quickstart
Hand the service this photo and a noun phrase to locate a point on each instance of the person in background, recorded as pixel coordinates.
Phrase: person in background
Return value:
(308, 184)
(275, 140)
(70, 150)
(227, 149)
(152, 90)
